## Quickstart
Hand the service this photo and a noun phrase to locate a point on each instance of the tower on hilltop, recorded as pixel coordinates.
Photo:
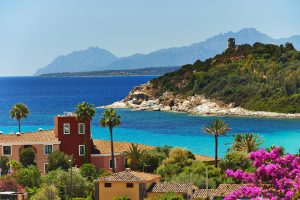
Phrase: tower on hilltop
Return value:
(231, 43)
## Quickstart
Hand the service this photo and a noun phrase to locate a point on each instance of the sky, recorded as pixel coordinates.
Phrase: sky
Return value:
(34, 32)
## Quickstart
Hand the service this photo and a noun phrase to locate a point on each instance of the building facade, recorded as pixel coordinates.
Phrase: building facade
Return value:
(70, 136)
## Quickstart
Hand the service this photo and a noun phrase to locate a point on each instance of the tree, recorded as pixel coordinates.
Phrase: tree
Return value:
(152, 159)
(29, 176)
(171, 196)
(14, 165)
(178, 159)
(19, 111)
(58, 159)
(85, 113)
(62, 181)
(236, 160)
(247, 142)
(216, 128)
(110, 119)
(134, 156)
(122, 198)
(3, 165)
(48, 192)
(27, 157)
(88, 171)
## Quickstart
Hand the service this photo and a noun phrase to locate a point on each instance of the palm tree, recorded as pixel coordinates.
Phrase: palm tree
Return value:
(134, 156)
(85, 113)
(19, 111)
(216, 128)
(248, 142)
(110, 119)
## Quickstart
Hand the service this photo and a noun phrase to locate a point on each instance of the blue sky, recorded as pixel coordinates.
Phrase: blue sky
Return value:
(34, 32)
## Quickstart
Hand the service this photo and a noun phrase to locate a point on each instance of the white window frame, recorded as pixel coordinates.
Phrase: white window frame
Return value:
(45, 148)
(45, 164)
(79, 150)
(79, 128)
(68, 124)
(3, 150)
(114, 163)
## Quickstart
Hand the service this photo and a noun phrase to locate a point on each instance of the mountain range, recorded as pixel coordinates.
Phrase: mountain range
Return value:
(97, 59)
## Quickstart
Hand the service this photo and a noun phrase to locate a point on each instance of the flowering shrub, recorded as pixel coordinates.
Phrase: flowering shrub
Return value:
(276, 177)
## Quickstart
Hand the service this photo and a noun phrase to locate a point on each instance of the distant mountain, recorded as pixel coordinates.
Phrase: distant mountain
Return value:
(91, 59)
(103, 60)
(150, 71)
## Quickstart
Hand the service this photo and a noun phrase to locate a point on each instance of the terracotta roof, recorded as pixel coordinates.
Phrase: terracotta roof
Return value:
(119, 147)
(171, 187)
(226, 189)
(129, 176)
(201, 193)
(31, 137)
(203, 158)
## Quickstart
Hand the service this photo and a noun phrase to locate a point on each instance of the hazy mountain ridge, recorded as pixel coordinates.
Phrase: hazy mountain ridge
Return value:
(95, 59)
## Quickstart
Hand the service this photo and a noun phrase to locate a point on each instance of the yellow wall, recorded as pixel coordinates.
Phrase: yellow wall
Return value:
(120, 189)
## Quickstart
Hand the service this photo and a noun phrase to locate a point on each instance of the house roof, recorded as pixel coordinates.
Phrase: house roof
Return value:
(226, 189)
(201, 193)
(119, 147)
(30, 137)
(171, 187)
(129, 176)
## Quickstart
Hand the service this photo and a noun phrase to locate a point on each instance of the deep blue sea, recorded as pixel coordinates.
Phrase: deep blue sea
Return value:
(47, 96)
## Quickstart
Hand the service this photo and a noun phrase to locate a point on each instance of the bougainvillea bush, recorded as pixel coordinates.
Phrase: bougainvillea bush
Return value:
(277, 176)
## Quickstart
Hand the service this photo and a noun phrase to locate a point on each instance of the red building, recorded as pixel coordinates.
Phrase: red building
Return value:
(70, 136)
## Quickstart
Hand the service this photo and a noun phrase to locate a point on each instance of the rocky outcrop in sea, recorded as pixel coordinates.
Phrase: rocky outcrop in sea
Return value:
(142, 98)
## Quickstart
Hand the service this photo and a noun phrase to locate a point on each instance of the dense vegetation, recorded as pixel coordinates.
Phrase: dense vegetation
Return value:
(261, 77)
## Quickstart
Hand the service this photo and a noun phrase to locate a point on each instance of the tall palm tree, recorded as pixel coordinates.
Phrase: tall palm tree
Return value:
(216, 128)
(85, 113)
(247, 142)
(19, 111)
(134, 155)
(110, 119)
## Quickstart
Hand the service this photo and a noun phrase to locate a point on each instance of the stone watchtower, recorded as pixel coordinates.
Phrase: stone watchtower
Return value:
(231, 43)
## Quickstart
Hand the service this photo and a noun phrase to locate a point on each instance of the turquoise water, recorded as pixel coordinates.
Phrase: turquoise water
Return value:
(47, 97)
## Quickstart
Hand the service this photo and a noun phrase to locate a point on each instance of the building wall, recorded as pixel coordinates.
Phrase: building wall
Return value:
(70, 142)
(101, 161)
(118, 189)
(40, 158)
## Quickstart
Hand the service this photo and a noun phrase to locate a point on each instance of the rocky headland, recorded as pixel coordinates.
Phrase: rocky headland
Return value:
(143, 97)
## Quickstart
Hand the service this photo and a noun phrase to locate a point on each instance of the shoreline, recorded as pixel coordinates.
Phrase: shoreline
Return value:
(141, 98)
(222, 113)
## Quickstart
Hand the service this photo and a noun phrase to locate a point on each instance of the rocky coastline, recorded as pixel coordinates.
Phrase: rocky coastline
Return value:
(143, 98)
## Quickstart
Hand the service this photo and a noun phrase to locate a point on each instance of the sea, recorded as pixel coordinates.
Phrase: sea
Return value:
(50, 96)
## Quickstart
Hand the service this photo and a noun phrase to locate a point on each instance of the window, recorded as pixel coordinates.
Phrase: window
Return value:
(129, 185)
(66, 128)
(45, 167)
(126, 163)
(111, 163)
(81, 150)
(47, 149)
(81, 128)
(6, 151)
(107, 184)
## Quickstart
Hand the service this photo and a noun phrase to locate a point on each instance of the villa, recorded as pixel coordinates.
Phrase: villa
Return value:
(69, 136)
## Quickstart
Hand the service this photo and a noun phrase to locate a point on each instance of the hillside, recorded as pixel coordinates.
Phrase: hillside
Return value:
(257, 78)
(95, 59)
(151, 71)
